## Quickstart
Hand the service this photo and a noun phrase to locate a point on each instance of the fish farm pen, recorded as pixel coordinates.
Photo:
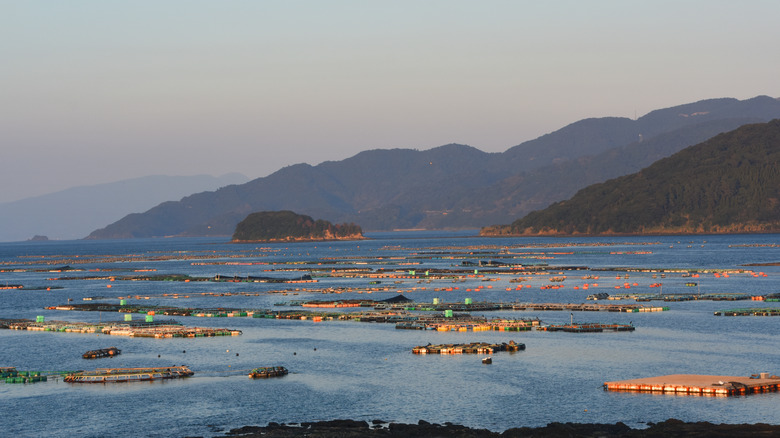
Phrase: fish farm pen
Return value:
(11, 375)
(451, 326)
(117, 375)
(472, 348)
(694, 384)
(626, 308)
(766, 311)
(138, 330)
(588, 327)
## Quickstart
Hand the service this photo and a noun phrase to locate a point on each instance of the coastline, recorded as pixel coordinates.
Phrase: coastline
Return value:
(633, 234)
(379, 428)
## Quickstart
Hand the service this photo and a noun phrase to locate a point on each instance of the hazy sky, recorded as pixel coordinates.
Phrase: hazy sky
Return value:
(99, 91)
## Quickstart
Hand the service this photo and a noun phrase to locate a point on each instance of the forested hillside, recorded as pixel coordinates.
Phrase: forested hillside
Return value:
(728, 184)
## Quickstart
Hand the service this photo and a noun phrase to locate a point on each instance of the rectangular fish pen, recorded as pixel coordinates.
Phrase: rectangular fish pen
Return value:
(116, 375)
(589, 327)
(472, 348)
(695, 384)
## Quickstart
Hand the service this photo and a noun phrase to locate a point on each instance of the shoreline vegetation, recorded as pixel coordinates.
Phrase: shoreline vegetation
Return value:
(287, 226)
(379, 428)
(505, 231)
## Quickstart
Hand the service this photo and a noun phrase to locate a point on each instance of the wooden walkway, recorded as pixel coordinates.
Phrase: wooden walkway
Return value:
(695, 384)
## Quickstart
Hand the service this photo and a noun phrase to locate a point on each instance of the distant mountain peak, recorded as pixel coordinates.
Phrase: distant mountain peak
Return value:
(75, 212)
(453, 185)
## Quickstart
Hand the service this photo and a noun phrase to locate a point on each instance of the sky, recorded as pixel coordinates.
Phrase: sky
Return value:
(95, 91)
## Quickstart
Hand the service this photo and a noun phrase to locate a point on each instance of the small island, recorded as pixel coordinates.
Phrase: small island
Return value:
(287, 226)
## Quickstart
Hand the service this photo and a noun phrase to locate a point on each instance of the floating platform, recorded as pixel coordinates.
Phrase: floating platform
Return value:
(11, 375)
(588, 327)
(588, 307)
(131, 328)
(117, 375)
(265, 372)
(695, 384)
(454, 326)
(473, 348)
(765, 311)
(334, 304)
(103, 352)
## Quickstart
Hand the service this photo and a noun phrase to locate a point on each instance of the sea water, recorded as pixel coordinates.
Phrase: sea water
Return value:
(366, 371)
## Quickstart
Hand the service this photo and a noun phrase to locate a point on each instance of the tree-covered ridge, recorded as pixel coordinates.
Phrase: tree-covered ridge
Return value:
(289, 226)
(728, 184)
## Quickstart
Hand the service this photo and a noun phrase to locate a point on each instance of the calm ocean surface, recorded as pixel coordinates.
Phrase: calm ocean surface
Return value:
(366, 371)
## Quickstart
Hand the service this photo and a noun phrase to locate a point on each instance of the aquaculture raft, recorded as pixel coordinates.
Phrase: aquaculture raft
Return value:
(766, 311)
(116, 375)
(11, 375)
(460, 323)
(133, 329)
(264, 372)
(589, 327)
(473, 348)
(695, 384)
(103, 352)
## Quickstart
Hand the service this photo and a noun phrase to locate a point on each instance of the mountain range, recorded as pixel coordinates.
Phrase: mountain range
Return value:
(73, 213)
(452, 186)
(727, 184)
